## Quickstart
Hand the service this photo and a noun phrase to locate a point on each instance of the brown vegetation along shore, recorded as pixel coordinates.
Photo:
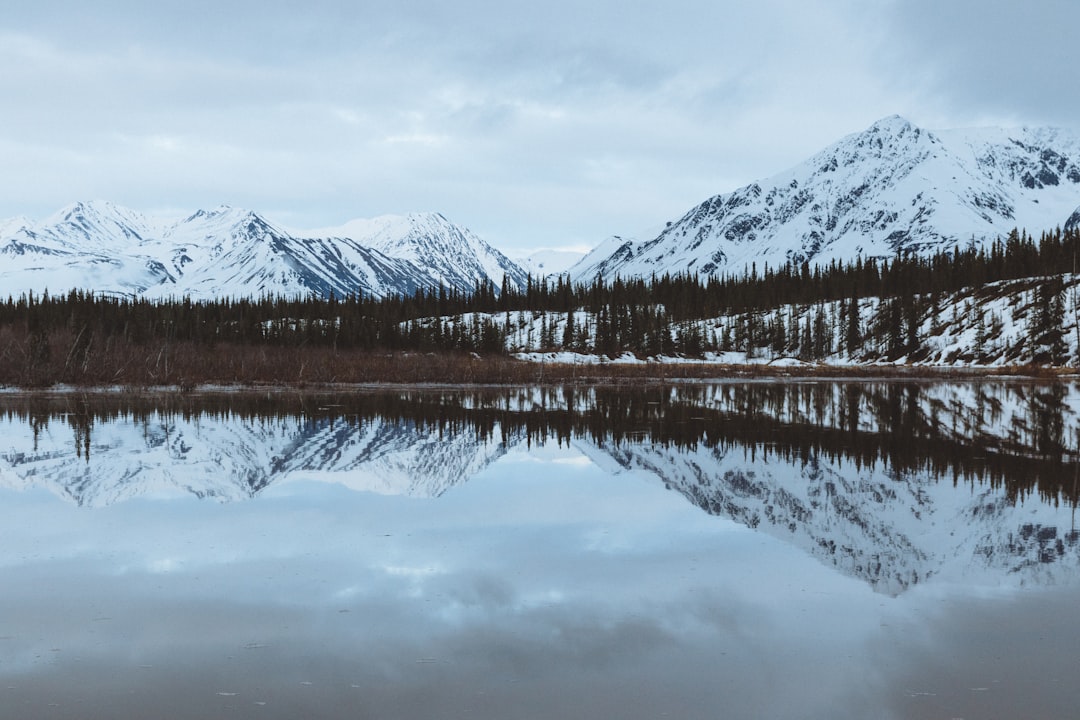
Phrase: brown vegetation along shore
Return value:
(189, 365)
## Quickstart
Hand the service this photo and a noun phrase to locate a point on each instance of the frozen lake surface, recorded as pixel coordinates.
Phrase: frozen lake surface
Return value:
(737, 550)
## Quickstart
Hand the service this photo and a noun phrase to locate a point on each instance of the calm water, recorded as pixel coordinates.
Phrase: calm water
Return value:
(739, 550)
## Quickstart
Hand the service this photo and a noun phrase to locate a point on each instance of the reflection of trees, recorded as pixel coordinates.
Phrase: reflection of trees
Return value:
(81, 420)
(1047, 409)
(1020, 435)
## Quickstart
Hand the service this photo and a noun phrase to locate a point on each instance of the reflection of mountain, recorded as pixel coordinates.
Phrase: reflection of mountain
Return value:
(386, 457)
(891, 529)
(892, 483)
(233, 459)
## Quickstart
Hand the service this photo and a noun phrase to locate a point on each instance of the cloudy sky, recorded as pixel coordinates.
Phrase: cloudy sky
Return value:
(541, 124)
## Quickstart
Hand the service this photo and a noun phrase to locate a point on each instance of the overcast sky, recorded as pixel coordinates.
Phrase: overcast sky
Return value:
(539, 124)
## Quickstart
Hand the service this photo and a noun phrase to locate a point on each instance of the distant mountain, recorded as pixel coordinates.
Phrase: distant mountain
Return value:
(94, 246)
(893, 188)
(545, 263)
(453, 255)
(228, 252)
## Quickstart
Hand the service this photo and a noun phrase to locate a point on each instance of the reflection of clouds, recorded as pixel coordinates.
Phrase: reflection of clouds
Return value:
(1011, 658)
(683, 626)
(164, 565)
(580, 461)
(540, 589)
(410, 572)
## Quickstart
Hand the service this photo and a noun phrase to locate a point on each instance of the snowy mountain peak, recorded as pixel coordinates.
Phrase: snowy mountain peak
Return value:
(893, 124)
(454, 255)
(99, 223)
(226, 221)
(885, 139)
(896, 127)
(204, 215)
(10, 226)
(606, 259)
(894, 187)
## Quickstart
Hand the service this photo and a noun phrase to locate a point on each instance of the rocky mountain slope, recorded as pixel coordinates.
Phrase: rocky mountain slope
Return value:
(893, 188)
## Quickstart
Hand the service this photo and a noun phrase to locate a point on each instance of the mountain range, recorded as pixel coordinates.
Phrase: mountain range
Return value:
(893, 188)
(229, 252)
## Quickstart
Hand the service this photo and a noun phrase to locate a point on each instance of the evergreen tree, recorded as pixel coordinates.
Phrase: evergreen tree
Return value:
(1046, 320)
(852, 331)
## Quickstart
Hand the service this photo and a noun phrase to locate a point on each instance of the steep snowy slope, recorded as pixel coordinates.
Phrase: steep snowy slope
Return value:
(1073, 223)
(93, 246)
(227, 252)
(892, 188)
(452, 254)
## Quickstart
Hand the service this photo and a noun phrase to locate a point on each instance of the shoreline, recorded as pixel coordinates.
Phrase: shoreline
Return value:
(414, 371)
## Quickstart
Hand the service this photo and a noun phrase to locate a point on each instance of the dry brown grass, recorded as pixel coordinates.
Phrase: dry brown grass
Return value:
(185, 365)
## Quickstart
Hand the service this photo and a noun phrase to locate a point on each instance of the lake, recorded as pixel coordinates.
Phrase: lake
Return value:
(770, 549)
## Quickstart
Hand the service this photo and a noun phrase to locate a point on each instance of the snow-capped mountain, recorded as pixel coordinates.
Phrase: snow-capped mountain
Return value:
(891, 188)
(94, 246)
(229, 252)
(235, 252)
(453, 255)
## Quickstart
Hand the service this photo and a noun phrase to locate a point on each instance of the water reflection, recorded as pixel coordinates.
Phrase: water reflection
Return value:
(892, 483)
(1024, 436)
(865, 550)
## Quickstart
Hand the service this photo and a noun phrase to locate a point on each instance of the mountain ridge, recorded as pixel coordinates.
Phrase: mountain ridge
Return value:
(892, 188)
(453, 255)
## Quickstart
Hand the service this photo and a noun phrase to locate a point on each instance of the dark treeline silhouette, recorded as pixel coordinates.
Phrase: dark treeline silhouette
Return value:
(49, 338)
(899, 426)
